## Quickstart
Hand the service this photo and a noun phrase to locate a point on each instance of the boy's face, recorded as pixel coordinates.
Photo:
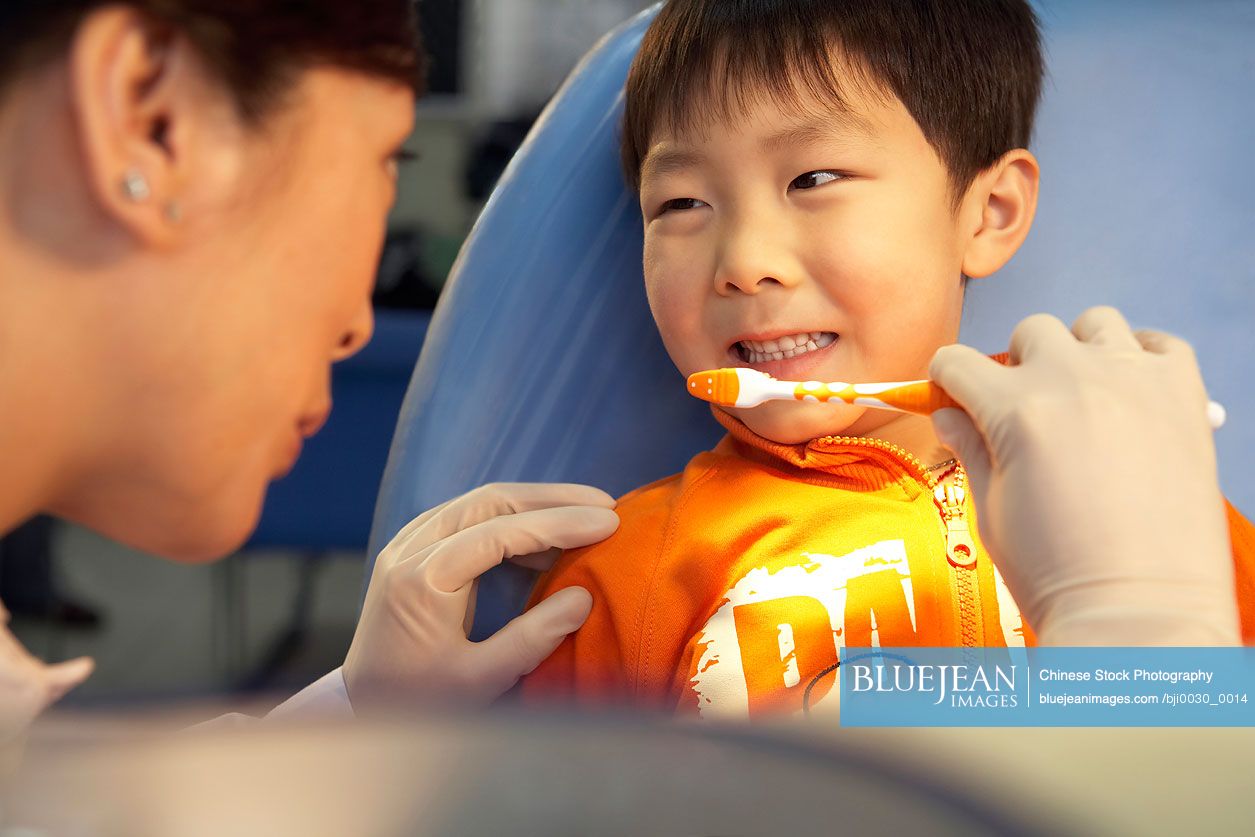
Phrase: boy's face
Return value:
(822, 247)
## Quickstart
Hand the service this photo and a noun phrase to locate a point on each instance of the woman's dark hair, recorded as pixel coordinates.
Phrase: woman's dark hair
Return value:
(256, 47)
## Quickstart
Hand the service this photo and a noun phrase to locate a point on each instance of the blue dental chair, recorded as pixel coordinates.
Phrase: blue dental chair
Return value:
(542, 362)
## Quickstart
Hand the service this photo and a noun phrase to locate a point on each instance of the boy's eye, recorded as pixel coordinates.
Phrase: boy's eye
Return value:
(680, 204)
(814, 178)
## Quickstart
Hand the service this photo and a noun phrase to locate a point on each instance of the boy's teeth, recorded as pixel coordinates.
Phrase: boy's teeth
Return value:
(761, 351)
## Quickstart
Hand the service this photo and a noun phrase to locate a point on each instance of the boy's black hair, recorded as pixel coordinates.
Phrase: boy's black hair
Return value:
(968, 71)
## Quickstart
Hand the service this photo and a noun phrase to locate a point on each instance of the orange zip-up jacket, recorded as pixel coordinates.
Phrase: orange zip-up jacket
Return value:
(730, 587)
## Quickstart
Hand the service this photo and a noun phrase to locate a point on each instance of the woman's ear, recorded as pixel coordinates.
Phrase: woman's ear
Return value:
(133, 90)
(997, 212)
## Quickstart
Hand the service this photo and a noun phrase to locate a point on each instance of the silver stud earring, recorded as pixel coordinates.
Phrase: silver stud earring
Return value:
(135, 186)
(174, 212)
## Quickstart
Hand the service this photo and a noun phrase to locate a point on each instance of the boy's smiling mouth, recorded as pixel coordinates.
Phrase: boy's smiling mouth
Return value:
(785, 356)
(783, 348)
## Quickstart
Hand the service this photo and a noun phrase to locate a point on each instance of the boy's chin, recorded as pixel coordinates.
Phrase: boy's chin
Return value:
(791, 423)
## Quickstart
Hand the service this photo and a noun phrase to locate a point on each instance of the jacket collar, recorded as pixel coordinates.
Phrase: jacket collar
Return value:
(859, 464)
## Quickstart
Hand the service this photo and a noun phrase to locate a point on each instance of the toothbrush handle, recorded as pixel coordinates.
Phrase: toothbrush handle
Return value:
(909, 396)
(921, 397)
(924, 397)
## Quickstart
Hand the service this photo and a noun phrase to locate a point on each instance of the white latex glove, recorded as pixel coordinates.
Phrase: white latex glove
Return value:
(1093, 468)
(411, 647)
(28, 686)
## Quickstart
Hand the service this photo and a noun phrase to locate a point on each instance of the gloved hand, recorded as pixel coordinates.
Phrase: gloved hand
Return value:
(28, 686)
(411, 647)
(1093, 469)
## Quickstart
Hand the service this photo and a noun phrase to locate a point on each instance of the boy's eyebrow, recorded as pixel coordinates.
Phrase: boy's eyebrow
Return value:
(669, 161)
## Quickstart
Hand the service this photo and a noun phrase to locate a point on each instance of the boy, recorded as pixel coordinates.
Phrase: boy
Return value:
(818, 182)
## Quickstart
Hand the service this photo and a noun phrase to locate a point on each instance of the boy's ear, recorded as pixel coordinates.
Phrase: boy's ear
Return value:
(131, 94)
(998, 211)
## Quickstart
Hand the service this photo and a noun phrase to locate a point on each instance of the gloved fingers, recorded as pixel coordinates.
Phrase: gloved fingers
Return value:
(407, 531)
(958, 432)
(1103, 325)
(62, 677)
(1039, 334)
(528, 639)
(1188, 377)
(1161, 343)
(539, 561)
(494, 500)
(463, 556)
(980, 384)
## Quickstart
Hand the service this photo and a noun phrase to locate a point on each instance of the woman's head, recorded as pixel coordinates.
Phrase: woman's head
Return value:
(193, 195)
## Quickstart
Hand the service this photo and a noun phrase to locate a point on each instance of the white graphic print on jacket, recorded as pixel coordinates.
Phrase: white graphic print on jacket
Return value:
(751, 646)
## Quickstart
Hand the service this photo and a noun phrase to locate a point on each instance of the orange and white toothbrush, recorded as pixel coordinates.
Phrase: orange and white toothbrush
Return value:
(742, 387)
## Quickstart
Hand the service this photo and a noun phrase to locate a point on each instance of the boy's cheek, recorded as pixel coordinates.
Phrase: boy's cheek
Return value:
(679, 323)
(663, 301)
(680, 348)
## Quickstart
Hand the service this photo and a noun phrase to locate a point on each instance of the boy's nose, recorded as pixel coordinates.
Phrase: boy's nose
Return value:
(727, 284)
(751, 259)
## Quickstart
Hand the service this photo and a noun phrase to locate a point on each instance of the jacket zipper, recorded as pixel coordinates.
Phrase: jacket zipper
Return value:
(949, 497)
(961, 553)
